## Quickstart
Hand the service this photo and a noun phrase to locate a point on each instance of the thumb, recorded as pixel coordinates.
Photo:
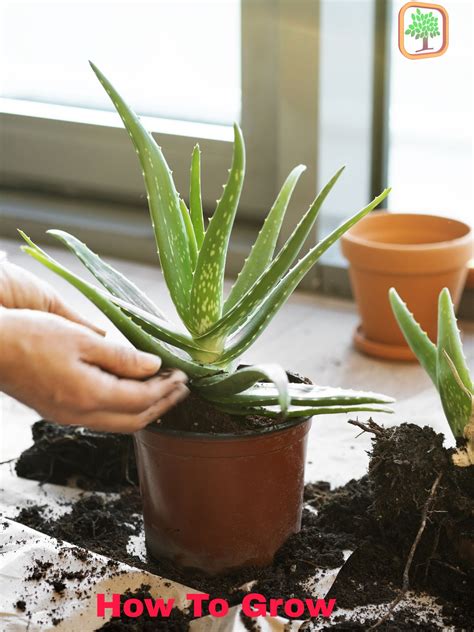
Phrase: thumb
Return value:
(61, 309)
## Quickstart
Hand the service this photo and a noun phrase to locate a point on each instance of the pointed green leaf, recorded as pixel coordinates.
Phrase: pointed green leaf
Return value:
(161, 329)
(417, 339)
(225, 385)
(205, 306)
(265, 394)
(457, 404)
(275, 271)
(113, 280)
(172, 358)
(264, 247)
(192, 244)
(163, 200)
(195, 201)
(300, 411)
(259, 319)
(127, 296)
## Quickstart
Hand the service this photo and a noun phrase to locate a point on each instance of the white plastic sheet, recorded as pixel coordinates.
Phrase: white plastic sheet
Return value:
(22, 545)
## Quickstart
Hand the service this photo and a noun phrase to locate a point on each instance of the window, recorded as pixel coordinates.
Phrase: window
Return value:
(319, 82)
(345, 109)
(209, 61)
(393, 121)
(430, 163)
(175, 59)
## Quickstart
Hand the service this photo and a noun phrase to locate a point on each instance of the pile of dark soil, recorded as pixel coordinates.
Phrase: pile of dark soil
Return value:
(379, 516)
(98, 460)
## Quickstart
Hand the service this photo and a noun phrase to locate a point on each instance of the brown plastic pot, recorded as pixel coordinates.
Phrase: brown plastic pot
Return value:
(418, 255)
(220, 502)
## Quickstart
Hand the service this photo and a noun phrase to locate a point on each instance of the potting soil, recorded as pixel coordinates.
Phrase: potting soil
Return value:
(378, 515)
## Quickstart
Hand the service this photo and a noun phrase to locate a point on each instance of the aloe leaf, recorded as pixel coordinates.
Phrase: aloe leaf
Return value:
(272, 275)
(457, 404)
(259, 319)
(163, 200)
(264, 246)
(229, 384)
(265, 394)
(195, 200)
(140, 339)
(417, 339)
(205, 306)
(192, 244)
(300, 411)
(113, 280)
(159, 328)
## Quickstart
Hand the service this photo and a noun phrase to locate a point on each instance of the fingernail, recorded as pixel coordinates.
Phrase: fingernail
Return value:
(179, 377)
(149, 361)
(184, 392)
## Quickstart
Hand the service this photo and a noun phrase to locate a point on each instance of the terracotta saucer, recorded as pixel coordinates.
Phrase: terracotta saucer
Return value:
(381, 350)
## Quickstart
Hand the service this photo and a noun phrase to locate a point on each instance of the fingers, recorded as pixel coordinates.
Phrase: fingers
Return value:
(120, 360)
(132, 396)
(166, 403)
(120, 422)
(61, 309)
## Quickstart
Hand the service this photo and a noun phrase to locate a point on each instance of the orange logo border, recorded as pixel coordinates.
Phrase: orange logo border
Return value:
(401, 29)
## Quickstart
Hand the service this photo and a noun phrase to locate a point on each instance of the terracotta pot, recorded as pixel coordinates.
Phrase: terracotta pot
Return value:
(418, 255)
(219, 502)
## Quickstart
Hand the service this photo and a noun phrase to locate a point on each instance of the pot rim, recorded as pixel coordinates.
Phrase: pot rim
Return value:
(230, 436)
(371, 244)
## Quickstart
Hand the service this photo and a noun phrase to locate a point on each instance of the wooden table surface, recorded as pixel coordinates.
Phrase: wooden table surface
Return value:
(311, 334)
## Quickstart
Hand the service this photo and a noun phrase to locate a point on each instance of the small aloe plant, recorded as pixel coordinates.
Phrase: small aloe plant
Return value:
(217, 330)
(447, 368)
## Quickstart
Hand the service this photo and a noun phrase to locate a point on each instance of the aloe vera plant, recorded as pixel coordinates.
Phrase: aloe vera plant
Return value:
(446, 366)
(216, 330)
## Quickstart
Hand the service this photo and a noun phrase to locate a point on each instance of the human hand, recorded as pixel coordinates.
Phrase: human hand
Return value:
(71, 375)
(22, 290)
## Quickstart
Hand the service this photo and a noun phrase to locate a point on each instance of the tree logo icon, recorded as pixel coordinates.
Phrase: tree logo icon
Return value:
(422, 30)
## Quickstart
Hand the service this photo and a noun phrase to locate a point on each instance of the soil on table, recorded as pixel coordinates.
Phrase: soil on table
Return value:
(104, 526)
(378, 516)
